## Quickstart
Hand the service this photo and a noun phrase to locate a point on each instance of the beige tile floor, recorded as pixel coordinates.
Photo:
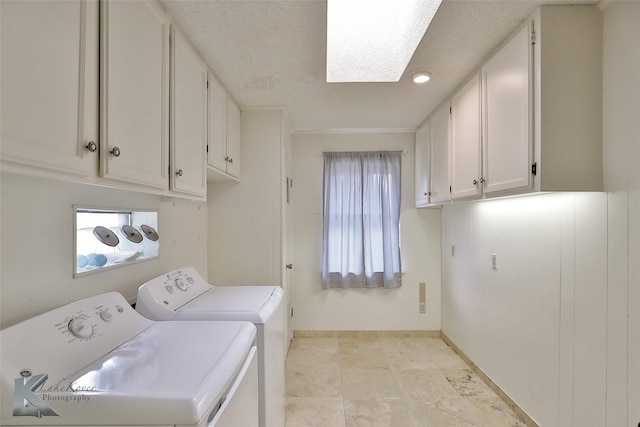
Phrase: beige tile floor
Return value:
(386, 381)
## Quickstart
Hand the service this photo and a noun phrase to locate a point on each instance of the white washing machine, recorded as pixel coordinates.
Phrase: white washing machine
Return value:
(98, 362)
(184, 295)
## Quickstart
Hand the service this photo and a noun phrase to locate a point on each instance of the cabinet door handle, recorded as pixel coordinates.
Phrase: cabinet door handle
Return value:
(226, 159)
(230, 160)
(92, 146)
(179, 172)
(289, 266)
(482, 180)
(115, 151)
(475, 182)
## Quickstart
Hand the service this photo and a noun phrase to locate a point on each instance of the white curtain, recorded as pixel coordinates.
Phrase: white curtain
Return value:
(362, 220)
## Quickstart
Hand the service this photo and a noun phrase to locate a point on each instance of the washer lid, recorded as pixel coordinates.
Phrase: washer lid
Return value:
(171, 373)
(254, 304)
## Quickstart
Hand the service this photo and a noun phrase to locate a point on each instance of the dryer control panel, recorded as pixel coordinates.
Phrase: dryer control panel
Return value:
(159, 298)
(71, 336)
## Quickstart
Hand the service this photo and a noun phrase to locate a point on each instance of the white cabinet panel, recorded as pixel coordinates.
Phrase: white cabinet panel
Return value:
(440, 154)
(188, 119)
(432, 159)
(217, 150)
(466, 175)
(507, 116)
(50, 85)
(135, 93)
(422, 164)
(233, 138)
(223, 152)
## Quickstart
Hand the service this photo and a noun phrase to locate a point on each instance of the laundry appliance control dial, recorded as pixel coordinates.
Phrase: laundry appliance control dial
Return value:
(106, 316)
(80, 327)
(180, 284)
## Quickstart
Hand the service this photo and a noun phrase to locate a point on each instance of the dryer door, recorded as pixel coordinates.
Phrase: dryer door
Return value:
(240, 408)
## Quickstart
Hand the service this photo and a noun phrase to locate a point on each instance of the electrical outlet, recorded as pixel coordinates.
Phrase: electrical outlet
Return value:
(494, 261)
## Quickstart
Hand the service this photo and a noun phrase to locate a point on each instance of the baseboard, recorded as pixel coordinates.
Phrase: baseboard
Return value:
(366, 334)
(493, 386)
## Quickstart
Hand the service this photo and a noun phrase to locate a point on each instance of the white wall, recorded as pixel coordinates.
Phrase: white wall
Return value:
(248, 219)
(37, 243)
(541, 315)
(245, 218)
(557, 325)
(361, 309)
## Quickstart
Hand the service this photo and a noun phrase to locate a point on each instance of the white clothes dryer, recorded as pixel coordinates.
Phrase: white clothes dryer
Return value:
(184, 295)
(96, 362)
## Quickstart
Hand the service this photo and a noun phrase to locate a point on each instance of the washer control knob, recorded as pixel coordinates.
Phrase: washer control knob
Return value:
(80, 328)
(181, 285)
(169, 288)
(106, 316)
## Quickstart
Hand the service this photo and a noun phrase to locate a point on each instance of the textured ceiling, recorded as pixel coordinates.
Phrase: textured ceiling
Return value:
(272, 53)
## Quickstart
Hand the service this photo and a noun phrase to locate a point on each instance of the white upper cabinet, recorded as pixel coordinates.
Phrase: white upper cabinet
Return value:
(134, 93)
(95, 92)
(223, 152)
(217, 140)
(188, 118)
(531, 120)
(432, 159)
(423, 161)
(507, 116)
(49, 86)
(466, 148)
(439, 167)
(542, 105)
(233, 138)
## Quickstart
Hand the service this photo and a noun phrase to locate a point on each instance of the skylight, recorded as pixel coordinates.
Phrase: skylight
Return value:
(373, 40)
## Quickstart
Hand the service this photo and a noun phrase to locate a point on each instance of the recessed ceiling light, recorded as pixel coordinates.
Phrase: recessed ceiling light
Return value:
(420, 77)
(374, 40)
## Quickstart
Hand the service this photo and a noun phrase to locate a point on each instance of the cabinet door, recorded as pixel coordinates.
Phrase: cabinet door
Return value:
(422, 161)
(466, 177)
(49, 85)
(134, 92)
(440, 155)
(507, 121)
(188, 118)
(217, 139)
(233, 138)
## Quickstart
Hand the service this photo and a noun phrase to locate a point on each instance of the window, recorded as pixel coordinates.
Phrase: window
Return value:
(109, 238)
(361, 220)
